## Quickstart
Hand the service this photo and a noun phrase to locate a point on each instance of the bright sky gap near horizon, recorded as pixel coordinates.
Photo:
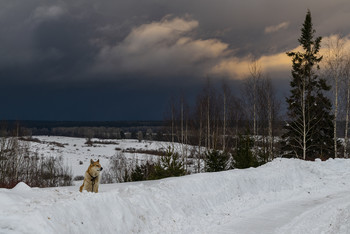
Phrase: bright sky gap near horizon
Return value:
(122, 60)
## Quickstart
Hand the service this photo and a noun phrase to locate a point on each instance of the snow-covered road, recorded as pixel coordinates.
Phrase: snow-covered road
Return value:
(284, 196)
(290, 216)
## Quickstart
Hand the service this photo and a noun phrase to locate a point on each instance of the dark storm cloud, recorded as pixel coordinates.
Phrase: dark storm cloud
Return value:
(62, 45)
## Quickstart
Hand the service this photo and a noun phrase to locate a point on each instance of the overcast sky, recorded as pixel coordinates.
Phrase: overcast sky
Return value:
(122, 60)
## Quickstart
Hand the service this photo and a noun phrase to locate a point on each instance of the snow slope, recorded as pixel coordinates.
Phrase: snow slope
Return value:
(284, 196)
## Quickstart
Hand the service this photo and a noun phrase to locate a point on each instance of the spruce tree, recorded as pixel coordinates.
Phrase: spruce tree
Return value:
(216, 161)
(244, 157)
(169, 165)
(309, 130)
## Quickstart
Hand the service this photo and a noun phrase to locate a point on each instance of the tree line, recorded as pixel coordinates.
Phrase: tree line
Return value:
(220, 120)
(319, 99)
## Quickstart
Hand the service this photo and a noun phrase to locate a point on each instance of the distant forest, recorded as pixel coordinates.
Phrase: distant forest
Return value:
(90, 129)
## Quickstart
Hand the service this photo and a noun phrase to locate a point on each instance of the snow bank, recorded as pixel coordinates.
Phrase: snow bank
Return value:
(201, 203)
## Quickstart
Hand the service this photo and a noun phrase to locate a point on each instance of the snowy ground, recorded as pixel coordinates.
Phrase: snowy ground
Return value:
(284, 196)
(75, 151)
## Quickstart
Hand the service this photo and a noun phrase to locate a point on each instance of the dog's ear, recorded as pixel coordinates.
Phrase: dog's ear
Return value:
(91, 161)
(98, 160)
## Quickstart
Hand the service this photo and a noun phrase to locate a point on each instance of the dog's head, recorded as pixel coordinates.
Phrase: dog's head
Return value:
(95, 167)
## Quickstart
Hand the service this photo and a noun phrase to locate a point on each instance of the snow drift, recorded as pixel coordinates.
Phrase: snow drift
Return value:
(284, 196)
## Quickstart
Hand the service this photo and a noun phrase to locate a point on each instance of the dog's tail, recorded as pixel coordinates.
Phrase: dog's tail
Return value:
(81, 187)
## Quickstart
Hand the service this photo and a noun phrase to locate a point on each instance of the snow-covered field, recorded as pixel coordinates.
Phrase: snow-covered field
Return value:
(283, 196)
(77, 154)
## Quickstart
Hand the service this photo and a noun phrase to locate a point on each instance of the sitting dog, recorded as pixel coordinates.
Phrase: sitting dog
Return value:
(92, 177)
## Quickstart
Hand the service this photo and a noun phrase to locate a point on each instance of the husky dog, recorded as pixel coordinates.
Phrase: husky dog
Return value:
(92, 177)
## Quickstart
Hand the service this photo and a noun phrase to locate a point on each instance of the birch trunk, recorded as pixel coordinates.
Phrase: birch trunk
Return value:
(347, 118)
(335, 116)
(200, 142)
(347, 78)
(270, 119)
(208, 122)
(224, 127)
(303, 106)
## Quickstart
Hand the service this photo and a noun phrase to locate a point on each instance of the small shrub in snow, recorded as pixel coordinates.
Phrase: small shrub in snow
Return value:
(53, 173)
(80, 177)
(56, 144)
(89, 142)
(151, 152)
(216, 161)
(169, 165)
(142, 172)
(244, 157)
(122, 169)
(107, 177)
(19, 164)
(30, 139)
(119, 169)
(139, 136)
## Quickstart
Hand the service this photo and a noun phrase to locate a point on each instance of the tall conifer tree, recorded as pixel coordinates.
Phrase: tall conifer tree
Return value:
(309, 130)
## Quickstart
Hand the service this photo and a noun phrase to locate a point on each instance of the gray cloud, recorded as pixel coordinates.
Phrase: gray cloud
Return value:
(276, 28)
(165, 48)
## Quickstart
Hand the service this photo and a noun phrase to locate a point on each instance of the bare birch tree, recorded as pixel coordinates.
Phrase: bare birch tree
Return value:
(269, 109)
(251, 96)
(346, 76)
(226, 96)
(334, 62)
